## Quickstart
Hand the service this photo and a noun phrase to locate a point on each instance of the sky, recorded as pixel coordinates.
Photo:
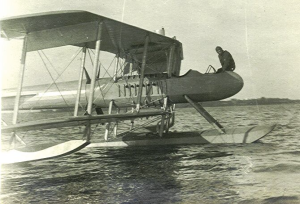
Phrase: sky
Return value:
(262, 36)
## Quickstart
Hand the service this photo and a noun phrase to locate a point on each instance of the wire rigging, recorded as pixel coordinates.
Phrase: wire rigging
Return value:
(53, 80)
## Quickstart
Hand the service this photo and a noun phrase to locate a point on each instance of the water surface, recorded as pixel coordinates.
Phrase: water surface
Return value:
(267, 171)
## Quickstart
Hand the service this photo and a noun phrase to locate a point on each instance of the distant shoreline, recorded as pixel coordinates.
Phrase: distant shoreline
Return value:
(246, 102)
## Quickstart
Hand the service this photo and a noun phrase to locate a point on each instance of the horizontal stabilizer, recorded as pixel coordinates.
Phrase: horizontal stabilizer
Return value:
(15, 156)
(76, 121)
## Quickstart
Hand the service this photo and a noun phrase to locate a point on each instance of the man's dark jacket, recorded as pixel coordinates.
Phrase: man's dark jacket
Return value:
(226, 61)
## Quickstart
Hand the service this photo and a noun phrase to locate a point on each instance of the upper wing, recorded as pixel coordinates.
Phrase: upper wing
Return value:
(79, 28)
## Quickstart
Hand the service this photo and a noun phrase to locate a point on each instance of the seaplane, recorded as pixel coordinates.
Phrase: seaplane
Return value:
(145, 85)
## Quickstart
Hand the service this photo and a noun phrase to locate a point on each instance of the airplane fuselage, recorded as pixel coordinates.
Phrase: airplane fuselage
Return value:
(124, 91)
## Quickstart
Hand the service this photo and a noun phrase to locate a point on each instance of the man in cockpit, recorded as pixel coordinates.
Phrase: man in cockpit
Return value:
(226, 60)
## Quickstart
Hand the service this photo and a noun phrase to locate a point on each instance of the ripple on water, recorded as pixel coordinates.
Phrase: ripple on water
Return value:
(244, 173)
(282, 167)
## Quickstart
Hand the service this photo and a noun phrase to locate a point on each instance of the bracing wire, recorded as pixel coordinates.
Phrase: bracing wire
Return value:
(60, 75)
(106, 70)
(54, 80)
(140, 126)
(156, 56)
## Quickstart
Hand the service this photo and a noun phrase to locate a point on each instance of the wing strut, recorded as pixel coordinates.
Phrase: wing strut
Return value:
(19, 89)
(139, 98)
(171, 60)
(80, 81)
(116, 68)
(94, 73)
(94, 76)
(21, 79)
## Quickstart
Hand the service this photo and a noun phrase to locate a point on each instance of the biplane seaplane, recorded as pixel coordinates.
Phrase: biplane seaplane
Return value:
(145, 83)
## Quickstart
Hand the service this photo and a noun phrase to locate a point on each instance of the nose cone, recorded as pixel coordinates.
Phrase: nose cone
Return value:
(204, 87)
(237, 77)
(227, 85)
(237, 81)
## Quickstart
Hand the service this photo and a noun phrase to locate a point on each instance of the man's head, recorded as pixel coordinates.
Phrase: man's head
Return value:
(219, 50)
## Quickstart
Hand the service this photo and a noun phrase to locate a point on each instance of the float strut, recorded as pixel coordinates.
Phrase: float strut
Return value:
(116, 124)
(107, 126)
(206, 115)
(162, 127)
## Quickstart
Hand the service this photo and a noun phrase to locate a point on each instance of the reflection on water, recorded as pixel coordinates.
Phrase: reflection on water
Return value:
(263, 172)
